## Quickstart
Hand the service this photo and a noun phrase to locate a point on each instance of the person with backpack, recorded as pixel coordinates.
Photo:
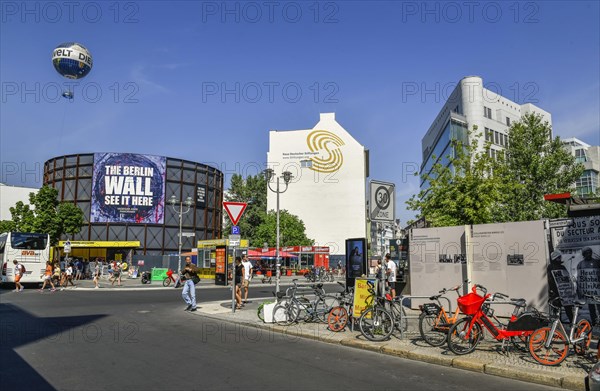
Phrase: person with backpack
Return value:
(19, 272)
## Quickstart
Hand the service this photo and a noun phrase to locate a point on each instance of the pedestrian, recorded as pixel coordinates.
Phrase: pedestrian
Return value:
(79, 269)
(69, 275)
(339, 267)
(247, 276)
(391, 274)
(239, 277)
(18, 275)
(96, 274)
(116, 276)
(47, 277)
(189, 276)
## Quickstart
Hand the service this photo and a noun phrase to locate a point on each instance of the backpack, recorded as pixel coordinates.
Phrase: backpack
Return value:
(23, 270)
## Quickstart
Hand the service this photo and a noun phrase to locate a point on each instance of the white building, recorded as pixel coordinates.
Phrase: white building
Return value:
(328, 190)
(589, 156)
(469, 105)
(10, 195)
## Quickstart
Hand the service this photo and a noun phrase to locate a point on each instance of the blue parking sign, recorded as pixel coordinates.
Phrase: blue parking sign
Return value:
(235, 230)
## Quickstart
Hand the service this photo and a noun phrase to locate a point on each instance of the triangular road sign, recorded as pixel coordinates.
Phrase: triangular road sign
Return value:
(235, 210)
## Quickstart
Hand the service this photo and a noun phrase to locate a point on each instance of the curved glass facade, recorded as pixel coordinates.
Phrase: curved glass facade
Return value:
(72, 176)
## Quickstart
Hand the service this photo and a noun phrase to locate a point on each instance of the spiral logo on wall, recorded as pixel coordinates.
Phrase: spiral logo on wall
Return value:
(328, 145)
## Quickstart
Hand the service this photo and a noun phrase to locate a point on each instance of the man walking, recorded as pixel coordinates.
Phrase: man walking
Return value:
(189, 276)
(18, 275)
(247, 276)
(391, 274)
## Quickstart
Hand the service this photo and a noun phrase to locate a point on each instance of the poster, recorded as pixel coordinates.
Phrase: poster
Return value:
(355, 258)
(574, 268)
(128, 188)
(363, 297)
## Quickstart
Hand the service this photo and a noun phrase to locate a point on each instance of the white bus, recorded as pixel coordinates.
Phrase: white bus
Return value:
(30, 249)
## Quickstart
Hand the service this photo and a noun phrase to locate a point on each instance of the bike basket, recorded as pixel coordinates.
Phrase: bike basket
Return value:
(431, 308)
(470, 303)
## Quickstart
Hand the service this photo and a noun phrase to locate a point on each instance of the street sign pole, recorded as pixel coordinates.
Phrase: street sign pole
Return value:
(234, 210)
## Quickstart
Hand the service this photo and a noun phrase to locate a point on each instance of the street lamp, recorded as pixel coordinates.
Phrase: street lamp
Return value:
(188, 204)
(287, 177)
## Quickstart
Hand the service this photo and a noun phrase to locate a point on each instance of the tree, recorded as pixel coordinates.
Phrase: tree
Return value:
(463, 192)
(45, 214)
(536, 164)
(477, 188)
(292, 230)
(256, 224)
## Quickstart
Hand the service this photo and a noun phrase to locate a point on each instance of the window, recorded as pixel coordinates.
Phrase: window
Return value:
(587, 183)
(496, 136)
(487, 112)
(580, 156)
(507, 121)
(489, 135)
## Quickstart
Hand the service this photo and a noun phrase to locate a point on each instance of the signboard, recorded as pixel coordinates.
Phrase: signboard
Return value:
(363, 298)
(220, 260)
(220, 242)
(67, 247)
(382, 201)
(235, 230)
(235, 240)
(128, 188)
(188, 234)
(235, 210)
(201, 196)
(356, 258)
(101, 244)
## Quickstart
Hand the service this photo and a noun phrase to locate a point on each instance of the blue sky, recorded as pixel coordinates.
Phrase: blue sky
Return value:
(161, 69)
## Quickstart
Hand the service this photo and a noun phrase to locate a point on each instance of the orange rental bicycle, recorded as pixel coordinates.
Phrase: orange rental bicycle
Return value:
(434, 321)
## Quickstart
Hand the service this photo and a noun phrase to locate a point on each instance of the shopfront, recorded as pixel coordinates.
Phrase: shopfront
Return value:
(105, 250)
(216, 256)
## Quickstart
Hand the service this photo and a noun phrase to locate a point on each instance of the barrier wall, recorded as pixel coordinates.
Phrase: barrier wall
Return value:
(510, 258)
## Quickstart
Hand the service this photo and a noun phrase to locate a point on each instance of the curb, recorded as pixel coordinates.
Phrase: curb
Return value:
(569, 382)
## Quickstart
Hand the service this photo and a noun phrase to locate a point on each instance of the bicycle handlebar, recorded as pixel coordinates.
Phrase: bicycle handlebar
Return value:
(498, 294)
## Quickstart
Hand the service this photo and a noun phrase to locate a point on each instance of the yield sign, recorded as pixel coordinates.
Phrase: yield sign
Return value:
(235, 210)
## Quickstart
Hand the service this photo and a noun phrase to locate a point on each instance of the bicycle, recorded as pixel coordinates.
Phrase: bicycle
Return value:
(377, 322)
(549, 345)
(294, 307)
(466, 333)
(339, 316)
(170, 278)
(434, 321)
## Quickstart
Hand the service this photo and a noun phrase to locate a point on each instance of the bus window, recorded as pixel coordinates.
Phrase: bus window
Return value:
(26, 241)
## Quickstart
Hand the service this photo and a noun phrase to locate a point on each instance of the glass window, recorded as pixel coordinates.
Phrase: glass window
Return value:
(28, 241)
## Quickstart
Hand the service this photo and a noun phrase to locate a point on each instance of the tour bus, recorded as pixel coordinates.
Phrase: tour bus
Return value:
(30, 249)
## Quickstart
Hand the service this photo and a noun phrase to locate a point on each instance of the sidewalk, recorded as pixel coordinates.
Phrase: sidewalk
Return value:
(136, 284)
(487, 358)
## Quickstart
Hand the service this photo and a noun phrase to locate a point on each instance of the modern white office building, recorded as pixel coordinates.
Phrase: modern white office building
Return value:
(589, 156)
(471, 104)
(328, 188)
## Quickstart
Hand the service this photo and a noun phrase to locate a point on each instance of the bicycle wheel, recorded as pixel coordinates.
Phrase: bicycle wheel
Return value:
(430, 331)
(376, 324)
(583, 326)
(337, 319)
(284, 314)
(323, 306)
(555, 353)
(167, 281)
(460, 339)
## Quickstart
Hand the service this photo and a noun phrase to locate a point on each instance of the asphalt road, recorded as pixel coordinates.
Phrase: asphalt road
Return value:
(144, 340)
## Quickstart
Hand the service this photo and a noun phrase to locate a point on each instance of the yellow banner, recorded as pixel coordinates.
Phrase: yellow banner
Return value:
(102, 244)
(221, 242)
(363, 298)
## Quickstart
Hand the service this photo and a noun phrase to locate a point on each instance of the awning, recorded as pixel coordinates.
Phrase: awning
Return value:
(254, 254)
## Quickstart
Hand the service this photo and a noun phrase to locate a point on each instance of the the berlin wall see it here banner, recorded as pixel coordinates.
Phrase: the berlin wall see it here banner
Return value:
(128, 188)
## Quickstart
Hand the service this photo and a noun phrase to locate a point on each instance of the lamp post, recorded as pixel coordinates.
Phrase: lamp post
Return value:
(287, 177)
(188, 204)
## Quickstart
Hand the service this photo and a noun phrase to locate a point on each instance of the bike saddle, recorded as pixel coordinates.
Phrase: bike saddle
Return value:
(519, 302)
(435, 297)
(579, 302)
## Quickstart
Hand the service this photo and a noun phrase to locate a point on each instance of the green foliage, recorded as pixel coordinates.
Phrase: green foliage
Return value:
(292, 231)
(44, 214)
(536, 165)
(256, 224)
(508, 188)
(7, 226)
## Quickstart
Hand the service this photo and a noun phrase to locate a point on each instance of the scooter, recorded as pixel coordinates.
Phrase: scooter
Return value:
(146, 277)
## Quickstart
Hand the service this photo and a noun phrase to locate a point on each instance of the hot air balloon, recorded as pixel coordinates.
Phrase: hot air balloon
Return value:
(73, 61)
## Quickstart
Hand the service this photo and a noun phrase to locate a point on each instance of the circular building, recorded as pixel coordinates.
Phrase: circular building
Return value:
(125, 198)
